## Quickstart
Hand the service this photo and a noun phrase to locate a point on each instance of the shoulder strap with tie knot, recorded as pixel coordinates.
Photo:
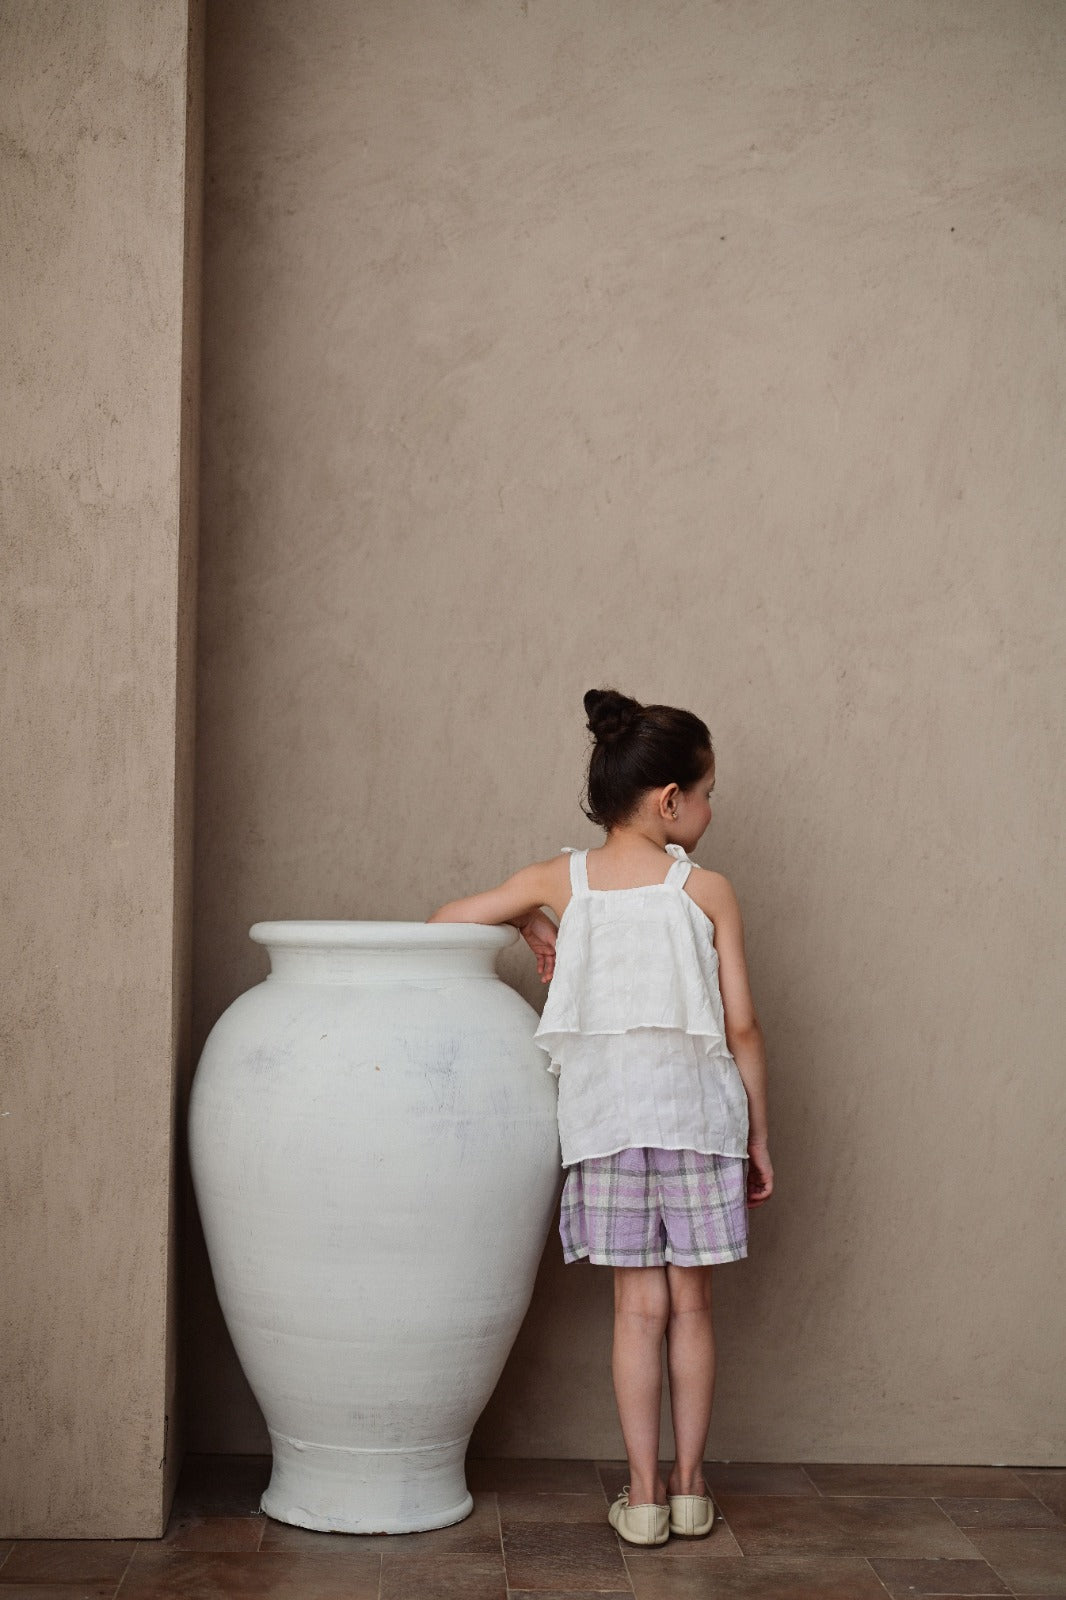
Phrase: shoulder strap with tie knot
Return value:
(579, 875)
(682, 865)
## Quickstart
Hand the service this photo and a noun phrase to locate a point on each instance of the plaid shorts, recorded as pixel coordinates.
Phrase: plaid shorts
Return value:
(645, 1207)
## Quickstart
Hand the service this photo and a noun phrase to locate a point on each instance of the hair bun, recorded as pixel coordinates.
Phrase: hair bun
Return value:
(610, 714)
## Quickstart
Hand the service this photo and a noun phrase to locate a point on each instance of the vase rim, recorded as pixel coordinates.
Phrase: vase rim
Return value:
(319, 935)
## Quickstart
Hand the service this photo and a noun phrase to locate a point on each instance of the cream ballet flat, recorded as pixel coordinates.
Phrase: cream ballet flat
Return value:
(639, 1524)
(691, 1515)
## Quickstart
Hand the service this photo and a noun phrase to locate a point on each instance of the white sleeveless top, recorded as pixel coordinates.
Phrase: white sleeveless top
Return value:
(633, 1023)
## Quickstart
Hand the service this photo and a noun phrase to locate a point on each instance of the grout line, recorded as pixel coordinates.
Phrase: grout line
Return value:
(625, 1566)
(976, 1553)
(1026, 1492)
(125, 1570)
(1033, 1495)
(877, 1576)
(499, 1535)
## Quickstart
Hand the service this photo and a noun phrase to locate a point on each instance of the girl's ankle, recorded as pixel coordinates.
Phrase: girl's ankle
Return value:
(692, 1485)
(638, 1497)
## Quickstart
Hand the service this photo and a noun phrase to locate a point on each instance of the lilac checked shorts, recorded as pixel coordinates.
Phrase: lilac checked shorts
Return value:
(645, 1207)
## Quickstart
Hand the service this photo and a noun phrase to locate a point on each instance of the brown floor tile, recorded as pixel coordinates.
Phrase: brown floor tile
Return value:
(551, 1555)
(743, 1477)
(222, 1486)
(758, 1477)
(190, 1532)
(860, 1525)
(477, 1534)
(67, 1560)
(553, 1508)
(95, 1589)
(1029, 1560)
(158, 1572)
(904, 1579)
(927, 1481)
(1048, 1484)
(973, 1512)
(756, 1578)
(279, 1537)
(510, 1476)
(450, 1577)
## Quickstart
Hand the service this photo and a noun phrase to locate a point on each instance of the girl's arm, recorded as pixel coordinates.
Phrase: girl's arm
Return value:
(518, 901)
(715, 896)
(514, 901)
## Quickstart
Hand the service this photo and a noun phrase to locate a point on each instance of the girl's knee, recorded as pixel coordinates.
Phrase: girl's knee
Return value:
(689, 1288)
(642, 1292)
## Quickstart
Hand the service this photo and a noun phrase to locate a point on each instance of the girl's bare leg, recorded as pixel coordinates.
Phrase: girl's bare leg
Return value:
(641, 1313)
(691, 1365)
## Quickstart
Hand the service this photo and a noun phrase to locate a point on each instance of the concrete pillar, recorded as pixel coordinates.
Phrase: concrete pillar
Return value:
(99, 278)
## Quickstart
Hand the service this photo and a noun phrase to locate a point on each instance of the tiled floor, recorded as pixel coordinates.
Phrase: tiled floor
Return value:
(799, 1532)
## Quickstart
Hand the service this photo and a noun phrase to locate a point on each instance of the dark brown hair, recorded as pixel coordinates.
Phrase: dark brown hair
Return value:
(639, 748)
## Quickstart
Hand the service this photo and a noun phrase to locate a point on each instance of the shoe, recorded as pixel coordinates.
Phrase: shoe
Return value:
(639, 1524)
(691, 1515)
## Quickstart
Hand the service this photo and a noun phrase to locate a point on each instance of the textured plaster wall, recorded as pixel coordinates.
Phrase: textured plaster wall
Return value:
(98, 510)
(715, 351)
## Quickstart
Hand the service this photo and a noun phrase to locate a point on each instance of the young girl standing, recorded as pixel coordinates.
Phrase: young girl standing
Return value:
(650, 1026)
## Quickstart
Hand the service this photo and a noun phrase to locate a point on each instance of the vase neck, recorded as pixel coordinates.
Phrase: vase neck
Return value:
(381, 952)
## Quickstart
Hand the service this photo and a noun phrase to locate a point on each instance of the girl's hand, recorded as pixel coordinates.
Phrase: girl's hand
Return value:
(760, 1172)
(539, 932)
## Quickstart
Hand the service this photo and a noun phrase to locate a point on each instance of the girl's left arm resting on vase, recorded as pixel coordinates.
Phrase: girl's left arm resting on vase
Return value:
(514, 901)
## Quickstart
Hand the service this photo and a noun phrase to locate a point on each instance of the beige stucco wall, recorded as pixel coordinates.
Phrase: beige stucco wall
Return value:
(98, 502)
(714, 351)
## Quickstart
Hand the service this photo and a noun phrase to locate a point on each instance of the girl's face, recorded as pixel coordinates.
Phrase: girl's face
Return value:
(694, 810)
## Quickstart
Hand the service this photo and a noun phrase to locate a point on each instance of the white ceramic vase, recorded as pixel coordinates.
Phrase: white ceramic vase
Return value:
(375, 1159)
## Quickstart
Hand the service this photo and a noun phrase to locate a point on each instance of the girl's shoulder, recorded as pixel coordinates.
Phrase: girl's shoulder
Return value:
(552, 869)
(554, 863)
(712, 892)
(548, 881)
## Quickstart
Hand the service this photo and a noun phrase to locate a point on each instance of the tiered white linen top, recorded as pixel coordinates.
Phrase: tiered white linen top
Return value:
(633, 1023)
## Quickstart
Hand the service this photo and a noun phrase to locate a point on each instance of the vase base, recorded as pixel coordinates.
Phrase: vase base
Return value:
(336, 1490)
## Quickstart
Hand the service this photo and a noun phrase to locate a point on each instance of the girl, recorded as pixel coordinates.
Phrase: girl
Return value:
(651, 1029)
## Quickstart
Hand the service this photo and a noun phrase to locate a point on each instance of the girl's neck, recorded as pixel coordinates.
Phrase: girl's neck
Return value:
(634, 840)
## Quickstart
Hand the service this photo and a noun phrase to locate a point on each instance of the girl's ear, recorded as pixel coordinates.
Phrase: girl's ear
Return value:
(668, 800)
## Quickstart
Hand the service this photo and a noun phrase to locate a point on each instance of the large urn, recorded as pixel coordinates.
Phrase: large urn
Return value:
(375, 1159)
